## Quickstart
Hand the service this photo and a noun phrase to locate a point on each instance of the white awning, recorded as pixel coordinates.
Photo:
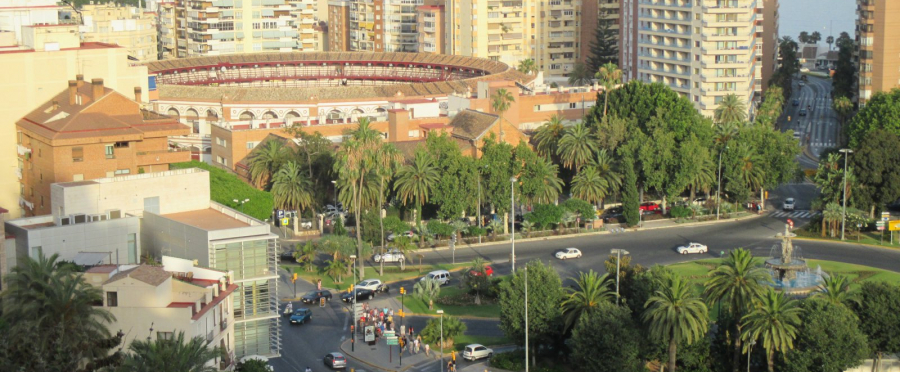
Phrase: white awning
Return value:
(90, 258)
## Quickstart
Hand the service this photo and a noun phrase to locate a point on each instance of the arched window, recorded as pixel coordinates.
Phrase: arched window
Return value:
(211, 115)
(191, 114)
(247, 115)
(335, 115)
(270, 115)
(291, 115)
(173, 112)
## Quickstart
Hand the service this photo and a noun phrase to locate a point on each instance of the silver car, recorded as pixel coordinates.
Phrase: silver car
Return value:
(474, 352)
(335, 360)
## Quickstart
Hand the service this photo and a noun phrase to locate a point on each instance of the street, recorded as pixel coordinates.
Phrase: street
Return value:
(819, 128)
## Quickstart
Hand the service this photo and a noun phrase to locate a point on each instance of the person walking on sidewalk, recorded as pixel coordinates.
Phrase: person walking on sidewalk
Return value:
(426, 350)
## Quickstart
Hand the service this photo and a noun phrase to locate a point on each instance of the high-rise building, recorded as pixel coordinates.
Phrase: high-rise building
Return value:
(431, 29)
(126, 26)
(339, 25)
(593, 11)
(377, 25)
(702, 49)
(165, 28)
(878, 34)
(769, 18)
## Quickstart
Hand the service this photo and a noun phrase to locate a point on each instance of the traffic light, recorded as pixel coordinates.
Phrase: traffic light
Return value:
(789, 118)
(402, 290)
(350, 289)
(294, 278)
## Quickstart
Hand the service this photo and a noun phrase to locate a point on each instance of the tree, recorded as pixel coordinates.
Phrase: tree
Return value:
(843, 107)
(815, 37)
(576, 147)
(266, 161)
(675, 315)
(630, 201)
(836, 289)
(882, 111)
(876, 165)
(387, 158)
(611, 329)
(501, 100)
(580, 207)
(539, 181)
(427, 291)
(736, 283)
(731, 110)
(291, 188)
(829, 40)
(252, 365)
(774, 320)
(804, 37)
(844, 76)
(743, 172)
(315, 152)
(604, 48)
(499, 158)
(51, 322)
(828, 339)
(544, 314)
(610, 75)
(415, 181)
(171, 355)
(771, 108)
(580, 75)
(831, 216)
(879, 312)
(451, 329)
(591, 289)
(305, 255)
(455, 192)
(335, 269)
(545, 215)
(527, 66)
(547, 136)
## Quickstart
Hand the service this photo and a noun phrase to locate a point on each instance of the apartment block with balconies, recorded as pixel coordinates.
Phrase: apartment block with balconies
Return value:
(166, 32)
(215, 27)
(127, 26)
(557, 43)
(431, 20)
(878, 40)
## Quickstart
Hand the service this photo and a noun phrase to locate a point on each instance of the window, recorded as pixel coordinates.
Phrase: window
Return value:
(120, 172)
(120, 145)
(572, 105)
(78, 177)
(110, 152)
(19, 138)
(77, 154)
(163, 335)
(112, 299)
(36, 252)
(251, 145)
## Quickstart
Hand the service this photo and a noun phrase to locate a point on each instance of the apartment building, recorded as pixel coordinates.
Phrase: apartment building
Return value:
(702, 49)
(165, 29)
(593, 11)
(310, 29)
(770, 17)
(15, 14)
(126, 26)
(157, 302)
(878, 37)
(339, 25)
(89, 131)
(431, 25)
(375, 25)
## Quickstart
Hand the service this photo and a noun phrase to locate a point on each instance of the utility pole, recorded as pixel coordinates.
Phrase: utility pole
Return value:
(844, 191)
(512, 220)
(618, 253)
(526, 318)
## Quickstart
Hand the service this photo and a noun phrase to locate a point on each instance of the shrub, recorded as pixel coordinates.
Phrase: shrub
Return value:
(680, 212)
(545, 215)
(439, 228)
(224, 187)
(511, 361)
(580, 207)
(453, 328)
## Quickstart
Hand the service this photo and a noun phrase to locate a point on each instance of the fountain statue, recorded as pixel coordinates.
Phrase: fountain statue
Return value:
(790, 273)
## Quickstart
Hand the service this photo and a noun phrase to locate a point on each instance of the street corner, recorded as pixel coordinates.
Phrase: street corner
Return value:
(382, 357)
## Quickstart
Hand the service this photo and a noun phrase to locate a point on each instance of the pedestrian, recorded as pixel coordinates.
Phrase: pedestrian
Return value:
(390, 319)
(391, 312)
(416, 345)
(426, 350)
(410, 331)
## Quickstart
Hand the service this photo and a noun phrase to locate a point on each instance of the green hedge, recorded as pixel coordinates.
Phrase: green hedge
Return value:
(224, 187)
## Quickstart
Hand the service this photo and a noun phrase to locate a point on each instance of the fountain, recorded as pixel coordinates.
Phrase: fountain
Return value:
(790, 274)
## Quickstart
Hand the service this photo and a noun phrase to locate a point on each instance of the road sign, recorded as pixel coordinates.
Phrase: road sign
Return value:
(894, 225)
(393, 340)
(280, 213)
(885, 216)
(879, 228)
(879, 223)
(389, 334)
(357, 311)
(285, 221)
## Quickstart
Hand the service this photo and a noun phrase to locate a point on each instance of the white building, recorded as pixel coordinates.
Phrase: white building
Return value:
(17, 13)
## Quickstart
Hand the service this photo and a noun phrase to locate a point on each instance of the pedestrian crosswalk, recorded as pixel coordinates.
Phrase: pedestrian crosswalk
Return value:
(795, 214)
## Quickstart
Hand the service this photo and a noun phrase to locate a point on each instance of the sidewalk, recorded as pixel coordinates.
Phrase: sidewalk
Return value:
(382, 357)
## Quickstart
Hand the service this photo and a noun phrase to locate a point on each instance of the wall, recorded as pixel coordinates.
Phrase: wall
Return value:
(165, 237)
(67, 241)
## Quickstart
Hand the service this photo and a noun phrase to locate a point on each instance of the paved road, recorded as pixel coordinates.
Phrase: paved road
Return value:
(819, 128)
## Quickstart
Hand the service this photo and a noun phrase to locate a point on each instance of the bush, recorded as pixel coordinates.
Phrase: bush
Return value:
(680, 212)
(476, 231)
(510, 361)
(439, 228)
(224, 187)
(453, 328)
(580, 207)
(545, 215)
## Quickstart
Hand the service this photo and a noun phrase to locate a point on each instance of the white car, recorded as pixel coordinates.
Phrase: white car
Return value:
(392, 255)
(373, 285)
(474, 352)
(788, 204)
(692, 248)
(441, 276)
(392, 236)
(568, 253)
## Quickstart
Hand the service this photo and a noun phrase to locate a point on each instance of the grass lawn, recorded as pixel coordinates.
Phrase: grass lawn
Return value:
(392, 273)
(870, 237)
(460, 342)
(416, 306)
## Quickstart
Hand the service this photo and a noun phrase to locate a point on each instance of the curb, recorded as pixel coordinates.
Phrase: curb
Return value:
(469, 317)
(377, 367)
(845, 242)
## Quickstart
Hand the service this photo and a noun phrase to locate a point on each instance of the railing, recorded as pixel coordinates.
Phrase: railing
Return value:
(224, 324)
(210, 336)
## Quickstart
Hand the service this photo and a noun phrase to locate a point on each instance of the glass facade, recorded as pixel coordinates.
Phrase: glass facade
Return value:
(255, 337)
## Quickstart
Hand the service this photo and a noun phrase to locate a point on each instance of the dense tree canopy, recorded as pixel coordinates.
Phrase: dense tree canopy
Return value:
(876, 164)
(606, 339)
(829, 339)
(882, 111)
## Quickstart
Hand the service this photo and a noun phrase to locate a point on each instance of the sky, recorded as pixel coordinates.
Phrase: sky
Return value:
(817, 15)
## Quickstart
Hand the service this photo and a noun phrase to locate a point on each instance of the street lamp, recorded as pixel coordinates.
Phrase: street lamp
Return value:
(512, 219)
(333, 182)
(526, 318)
(441, 346)
(353, 258)
(844, 211)
(618, 253)
(719, 186)
(241, 203)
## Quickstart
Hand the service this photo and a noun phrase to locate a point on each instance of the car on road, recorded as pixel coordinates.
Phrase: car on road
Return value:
(373, 284)
(301, 316)
(788, 205)
(393, 255)
(612, 213)
(649, 206)
(802, 112)
(795, 102)
(802, 84)
(361, 294)
(392, 236)
(442, 276)
(474, 352)
(488, 271)
(335, 360)
(692, 248)
(568, 253)
(313, 297)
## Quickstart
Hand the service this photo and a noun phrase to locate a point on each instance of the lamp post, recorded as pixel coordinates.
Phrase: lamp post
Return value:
(512, 219)
(241, 203)
(334, 183)
(353, 258)
(441, 346)
(526, 318)
(618, 253)
(719, 185)
(478, 207)
(844, 191)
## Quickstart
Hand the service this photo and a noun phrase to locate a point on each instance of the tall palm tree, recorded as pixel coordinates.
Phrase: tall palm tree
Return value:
(703, 179)
(548, 135)
(580, 75)
(675, 315)
(291, 188)
(576, 146)
(731, 109)
(750, 169)
(836, 289)
(266, 161)
(775, 320)
(387, 159)
(610, 75)
(335, 269)
(549, 184)
(736, 283)
(608, 170)
(843, 107)
(590, 290)
(832, 217)
(527, 66)
(305, 255)
(804, 37)
(171, 355)
(587, 185)
(416, 181)
(500, 102)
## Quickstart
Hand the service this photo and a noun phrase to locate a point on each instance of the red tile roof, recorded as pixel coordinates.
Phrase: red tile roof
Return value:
(222, 295)
(181, 304)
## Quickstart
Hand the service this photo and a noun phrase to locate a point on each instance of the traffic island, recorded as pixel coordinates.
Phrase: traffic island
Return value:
(383, 357)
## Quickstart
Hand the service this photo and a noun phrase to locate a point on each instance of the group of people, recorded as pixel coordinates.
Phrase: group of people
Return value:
(383, 320)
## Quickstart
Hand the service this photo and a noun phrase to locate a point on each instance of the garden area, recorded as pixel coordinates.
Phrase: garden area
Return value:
(225, 187)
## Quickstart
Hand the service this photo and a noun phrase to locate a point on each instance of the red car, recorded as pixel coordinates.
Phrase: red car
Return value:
(649, 206)
(489, 271)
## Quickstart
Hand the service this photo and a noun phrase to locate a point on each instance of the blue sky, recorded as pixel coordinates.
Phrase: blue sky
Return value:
(817, 15)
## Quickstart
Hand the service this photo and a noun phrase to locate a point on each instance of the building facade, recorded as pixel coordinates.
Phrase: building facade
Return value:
(338, 25)
(878, 37)
(15, 14)
(431, 25)
(375, 25)
(126, 26)
(770, 35)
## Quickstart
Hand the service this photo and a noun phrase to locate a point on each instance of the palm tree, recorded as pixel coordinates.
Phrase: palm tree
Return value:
(832, 217)
(703, 179)
(527, 227)
(404, 245)
(836, 289)
(815, 37)
(549, 184)
(292, 189)
(415, 182)
(576, 146)
(547, 136)
(171, 355)
(829, 40)
(675, 315)
(580, 75)
(608, 170)
(335, 269)
(587, 185)
(804, 37)
(496, 226)
(590, 290)
(738, 283)
(609, 75)
(527, 66)
(750, 170)
(500, 102)
(731, 109)
(775, 321)
(387, 159)
(266, 161)
(306, 255)
(843, 107)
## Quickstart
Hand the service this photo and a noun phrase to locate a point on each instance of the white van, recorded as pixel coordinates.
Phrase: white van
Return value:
(442, 276)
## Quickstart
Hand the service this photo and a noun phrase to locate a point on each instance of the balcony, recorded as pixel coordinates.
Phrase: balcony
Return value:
(664, 32)
(163, 157)
(724, 79)
(671, 5)
(224, 324)
(671, 73)
(22, 150)
(19, 173)
(683, 47)
(663, 58)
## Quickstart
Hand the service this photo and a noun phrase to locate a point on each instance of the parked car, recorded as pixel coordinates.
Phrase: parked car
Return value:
(442, 276)
(392, 236)
(788, 204)
(372, 284)
(392, 255)
(795, 102)
(568, 253)
(301, 316)
(649, 206)
(692, 248)
(361, 294)
(489, 271)
(313, 297)
(335, 360)
(474, 352)
(802, 112)
(802, 84)
(306, 224)
(612, 213)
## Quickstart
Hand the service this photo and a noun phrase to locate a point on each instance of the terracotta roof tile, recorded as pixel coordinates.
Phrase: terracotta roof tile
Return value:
(470, 124)
(152, 275)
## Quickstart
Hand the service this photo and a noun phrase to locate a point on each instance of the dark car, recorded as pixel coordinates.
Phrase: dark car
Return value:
(301, 316)
(802, 112)
(795, 102)
(612, 213)
(312, 297)
(361, 294)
